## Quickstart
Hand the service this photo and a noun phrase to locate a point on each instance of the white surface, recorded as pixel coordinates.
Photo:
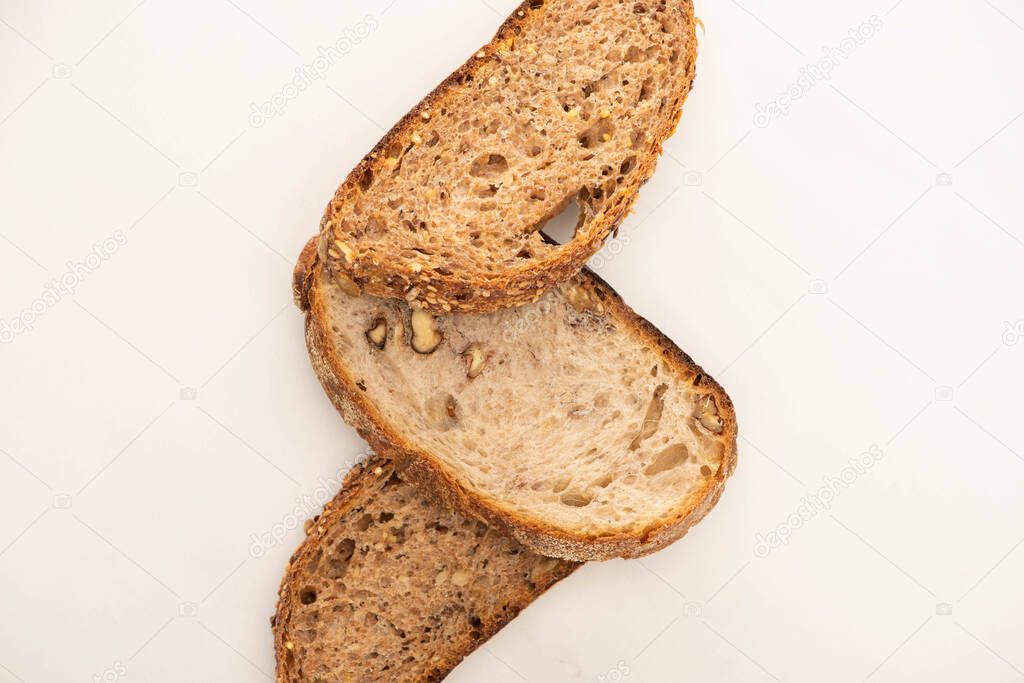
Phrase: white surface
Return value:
(813, 265)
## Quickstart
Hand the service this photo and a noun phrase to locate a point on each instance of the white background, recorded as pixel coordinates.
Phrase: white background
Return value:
(845, 295)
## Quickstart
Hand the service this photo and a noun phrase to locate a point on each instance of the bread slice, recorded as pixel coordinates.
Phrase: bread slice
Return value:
(389, 586)
(571, 424)
(570, 102)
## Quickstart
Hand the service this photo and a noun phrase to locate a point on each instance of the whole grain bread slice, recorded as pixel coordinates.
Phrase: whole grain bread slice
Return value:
(571, 424)
(390, 586)
(570, 102)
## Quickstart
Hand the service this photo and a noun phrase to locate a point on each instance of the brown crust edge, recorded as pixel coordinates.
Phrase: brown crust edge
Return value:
(442, 485)
(527, 284)
(356, 483)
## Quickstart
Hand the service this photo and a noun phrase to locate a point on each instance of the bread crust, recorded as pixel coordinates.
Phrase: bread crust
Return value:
(392, 278)
(441, 484)
(356, 487)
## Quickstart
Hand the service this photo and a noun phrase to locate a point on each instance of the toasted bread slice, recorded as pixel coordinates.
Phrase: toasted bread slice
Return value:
(570, 102)
(571, 424)
(389, 586)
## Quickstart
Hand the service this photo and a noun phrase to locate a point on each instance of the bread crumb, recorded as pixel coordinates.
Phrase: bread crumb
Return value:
(417, 138)
(460, 579)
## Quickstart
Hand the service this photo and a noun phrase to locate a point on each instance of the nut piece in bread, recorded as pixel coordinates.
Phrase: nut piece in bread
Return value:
(378, 333)
(425, 336)
(476, 359)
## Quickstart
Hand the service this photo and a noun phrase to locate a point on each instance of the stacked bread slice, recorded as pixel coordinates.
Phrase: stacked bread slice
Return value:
(506, 391)
(569, 103)
(390, 586)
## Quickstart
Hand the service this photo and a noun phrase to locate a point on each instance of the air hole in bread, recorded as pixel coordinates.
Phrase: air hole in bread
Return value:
(637, 139)
(670, 458)
(488, 166)
(337, 569)
(364, 522)
(562, 226)
(534, 147)
(598, 134)
(561, 484)
(576, 499)
(652, 419)
(307, 596)
(345, 549)
(646, 89)
(366, 180)
(706, 471)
